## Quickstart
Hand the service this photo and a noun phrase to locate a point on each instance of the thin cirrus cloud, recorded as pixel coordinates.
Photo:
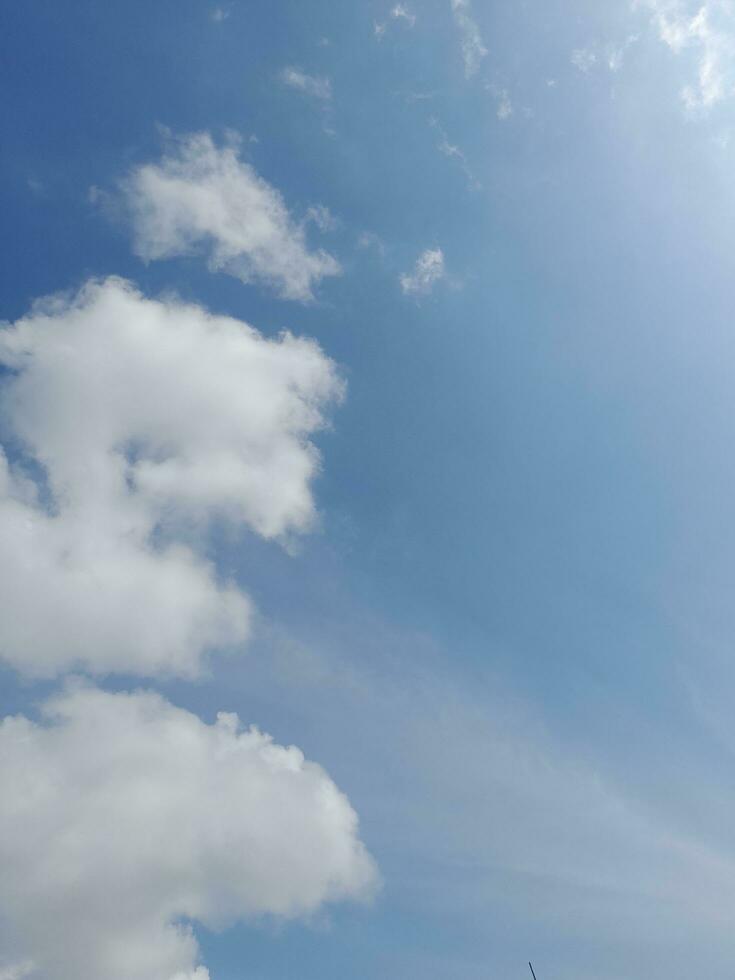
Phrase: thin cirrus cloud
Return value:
(473, 47)
(136, 423)
(201, 198)
(97, 789)
(602, 853)
(428, 270)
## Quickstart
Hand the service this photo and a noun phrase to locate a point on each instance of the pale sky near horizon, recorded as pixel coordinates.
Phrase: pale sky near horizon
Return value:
(367, 378)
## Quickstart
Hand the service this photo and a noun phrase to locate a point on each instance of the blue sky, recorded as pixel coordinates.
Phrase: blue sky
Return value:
(498, 611)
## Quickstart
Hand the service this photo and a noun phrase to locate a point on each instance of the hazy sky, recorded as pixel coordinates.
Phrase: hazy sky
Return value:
(366, 373)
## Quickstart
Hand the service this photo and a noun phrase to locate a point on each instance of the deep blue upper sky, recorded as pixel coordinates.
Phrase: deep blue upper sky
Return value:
(510, 641)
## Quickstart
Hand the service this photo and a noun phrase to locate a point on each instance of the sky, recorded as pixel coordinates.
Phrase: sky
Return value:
(366, 489)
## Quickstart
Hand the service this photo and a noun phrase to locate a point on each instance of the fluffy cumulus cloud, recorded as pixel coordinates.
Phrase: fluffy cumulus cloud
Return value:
(473, 47)
(133, 424)
(126, 819)
(708, 29)
(203, 199)
(429, 270)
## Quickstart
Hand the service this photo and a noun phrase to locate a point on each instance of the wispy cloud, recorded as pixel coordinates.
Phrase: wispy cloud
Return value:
(399, 12)
(615, 54)
(322, 217)
(596, 56)
(601, 856)
(17, 971)
(428, 270)
(584, 59)
(503, 103)
(370, 240)
(316, 86)
(449, 149)
(473, 47)
(710, 31)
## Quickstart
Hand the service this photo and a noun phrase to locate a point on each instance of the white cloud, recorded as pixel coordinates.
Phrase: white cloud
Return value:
(429, 270)
(201, 198)
(218, 14)
(709, 30)
(473, 48)
(87, 589)
(148, 419)
(318, 87)
(126, 818)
